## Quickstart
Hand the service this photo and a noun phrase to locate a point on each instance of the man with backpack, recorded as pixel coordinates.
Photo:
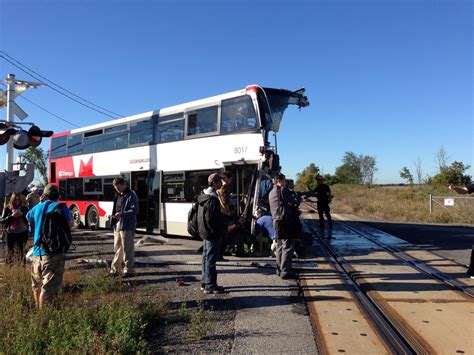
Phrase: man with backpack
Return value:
(51, 223)
(211, 226)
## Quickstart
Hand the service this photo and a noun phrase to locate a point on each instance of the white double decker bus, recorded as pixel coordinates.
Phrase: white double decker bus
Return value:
(167, 154)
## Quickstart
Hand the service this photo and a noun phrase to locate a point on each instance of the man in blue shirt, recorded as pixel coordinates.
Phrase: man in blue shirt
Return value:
(264, 228)
(47, 270)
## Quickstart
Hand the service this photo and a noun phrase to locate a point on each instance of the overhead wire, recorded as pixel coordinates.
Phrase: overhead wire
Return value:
(17, 64)
(45, 110)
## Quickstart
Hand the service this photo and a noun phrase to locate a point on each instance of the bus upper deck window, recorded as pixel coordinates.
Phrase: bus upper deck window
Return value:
(141, 132)
(238, 114)
(58, 147)
(74, 144)
(202, 121)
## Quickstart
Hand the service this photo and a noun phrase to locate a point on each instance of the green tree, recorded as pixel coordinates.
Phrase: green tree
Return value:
(356, 169)
(406, 174)
(452, 174)
(306, 180)
(38, 157)
(349, 172)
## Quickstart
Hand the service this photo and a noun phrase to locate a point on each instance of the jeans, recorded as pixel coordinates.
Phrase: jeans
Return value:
(211, 253)
(284, 250)
(15, 247)
(284, 257)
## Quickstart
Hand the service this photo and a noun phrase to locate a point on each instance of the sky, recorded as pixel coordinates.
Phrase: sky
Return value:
(391, 79)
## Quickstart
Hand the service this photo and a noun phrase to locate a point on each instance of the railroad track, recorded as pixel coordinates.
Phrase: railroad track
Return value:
(414, 262)
(406, 304)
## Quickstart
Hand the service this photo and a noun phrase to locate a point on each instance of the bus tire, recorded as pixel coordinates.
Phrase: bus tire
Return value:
(92, 218)
(76, 216)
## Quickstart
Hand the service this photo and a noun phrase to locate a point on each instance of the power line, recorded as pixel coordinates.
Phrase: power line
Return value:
(45, 110)
(39, 77)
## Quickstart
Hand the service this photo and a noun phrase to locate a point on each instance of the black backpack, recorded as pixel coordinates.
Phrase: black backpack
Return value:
(193, 225)
(55, 234)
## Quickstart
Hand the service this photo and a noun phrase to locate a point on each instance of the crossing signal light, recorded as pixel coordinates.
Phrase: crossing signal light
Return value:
(5, 133)
(22, 139)
(32, 138)
(35, 135)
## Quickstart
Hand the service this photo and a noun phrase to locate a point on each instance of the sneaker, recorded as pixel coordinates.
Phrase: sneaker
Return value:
(214, 290)
(203, 287)
(128, 274)
(290, 276)
(274, 246)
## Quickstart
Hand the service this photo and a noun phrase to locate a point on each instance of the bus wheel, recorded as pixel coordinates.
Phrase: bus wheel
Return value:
(92, 218)
(76, 216)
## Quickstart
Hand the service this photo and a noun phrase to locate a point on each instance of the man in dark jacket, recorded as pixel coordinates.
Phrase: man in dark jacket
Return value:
(211, 230)
(280, 203)
(124, 223)
(323, 194)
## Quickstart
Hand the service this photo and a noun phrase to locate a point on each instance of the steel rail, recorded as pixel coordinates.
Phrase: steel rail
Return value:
(413, 262)
(398, 340)
(390, 336)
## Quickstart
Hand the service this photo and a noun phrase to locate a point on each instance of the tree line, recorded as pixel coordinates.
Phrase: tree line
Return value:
(355, 169)
(453, 173)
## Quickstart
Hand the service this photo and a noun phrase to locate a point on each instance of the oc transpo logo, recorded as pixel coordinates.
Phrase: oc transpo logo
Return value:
(65, 173)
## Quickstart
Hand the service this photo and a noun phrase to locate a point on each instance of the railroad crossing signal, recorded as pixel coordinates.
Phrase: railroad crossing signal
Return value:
(22, 139)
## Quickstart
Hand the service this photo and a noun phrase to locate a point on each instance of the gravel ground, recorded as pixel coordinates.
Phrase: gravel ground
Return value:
(260, 313)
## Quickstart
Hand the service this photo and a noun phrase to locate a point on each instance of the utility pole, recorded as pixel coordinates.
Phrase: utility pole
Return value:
(10, 117)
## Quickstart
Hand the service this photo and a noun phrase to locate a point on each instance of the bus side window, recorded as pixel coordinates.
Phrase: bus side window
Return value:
(173, 187)
(74, 189)
(58, 147)
(141, 132)
(52, 172)
(202, 121)
(170, 131)
(238, 114)
(62, 189)
(74, 144)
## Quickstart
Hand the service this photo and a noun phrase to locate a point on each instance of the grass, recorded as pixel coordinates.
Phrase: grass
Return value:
(93, 314)
(198, 318)
(400, 203)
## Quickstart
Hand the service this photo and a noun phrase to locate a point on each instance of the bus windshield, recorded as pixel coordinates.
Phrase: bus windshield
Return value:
(275, 102)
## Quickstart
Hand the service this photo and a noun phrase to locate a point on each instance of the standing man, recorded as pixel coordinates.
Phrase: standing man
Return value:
(33, 198)
(469, 189)
(211, 230)
(323, 194)
(124, 223)
(46, 270)
(280, 200)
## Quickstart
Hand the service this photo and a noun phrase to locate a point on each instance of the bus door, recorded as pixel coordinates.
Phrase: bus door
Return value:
(245, 175)
(138, 183)
(154, 216)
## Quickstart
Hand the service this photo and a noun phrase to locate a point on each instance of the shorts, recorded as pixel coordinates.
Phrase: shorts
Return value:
(47, 273)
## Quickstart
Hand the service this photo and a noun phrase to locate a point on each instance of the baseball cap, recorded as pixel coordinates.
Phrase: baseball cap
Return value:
(214, 178)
